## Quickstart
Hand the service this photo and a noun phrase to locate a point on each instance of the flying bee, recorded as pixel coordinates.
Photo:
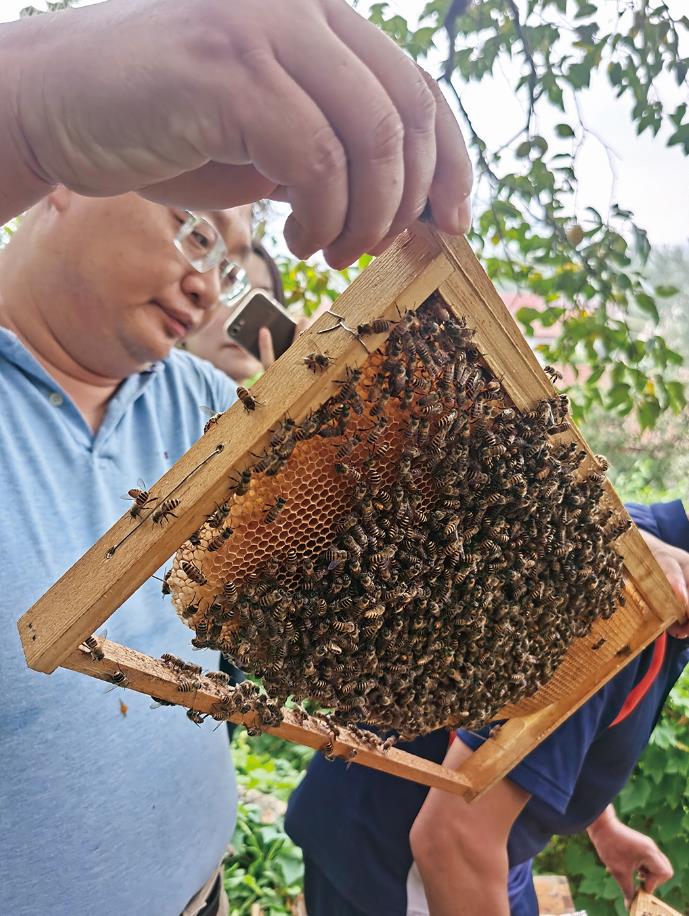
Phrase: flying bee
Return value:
(274, 510)
(317, 362)
(553, 374)
(118, 679)
(598, 644)
(249, 402)
(219, 539)
(164, 510)
(193, 572)
(141, 496)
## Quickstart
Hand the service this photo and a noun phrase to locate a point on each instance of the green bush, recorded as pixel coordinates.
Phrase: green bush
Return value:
(263, 865)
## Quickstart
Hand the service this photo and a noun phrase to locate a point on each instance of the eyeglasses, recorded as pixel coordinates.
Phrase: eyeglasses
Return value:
(204, 248)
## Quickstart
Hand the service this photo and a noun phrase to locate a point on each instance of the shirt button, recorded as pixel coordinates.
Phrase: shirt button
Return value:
(56, 399)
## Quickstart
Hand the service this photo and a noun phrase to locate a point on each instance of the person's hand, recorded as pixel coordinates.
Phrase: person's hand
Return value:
(626, 853)
(210, 103)
(675, 564)
(265, 341)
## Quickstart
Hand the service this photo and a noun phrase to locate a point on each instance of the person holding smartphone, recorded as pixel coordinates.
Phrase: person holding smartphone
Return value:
(244, 355)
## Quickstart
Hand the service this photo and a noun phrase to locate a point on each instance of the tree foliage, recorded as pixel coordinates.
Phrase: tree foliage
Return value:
(589, 269)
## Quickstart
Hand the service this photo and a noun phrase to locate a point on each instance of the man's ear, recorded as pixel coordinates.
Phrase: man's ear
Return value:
(59, 198)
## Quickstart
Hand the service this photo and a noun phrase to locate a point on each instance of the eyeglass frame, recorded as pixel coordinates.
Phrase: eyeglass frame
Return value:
(216, 257)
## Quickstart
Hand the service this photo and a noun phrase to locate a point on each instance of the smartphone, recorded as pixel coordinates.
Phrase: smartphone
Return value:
(259, 310)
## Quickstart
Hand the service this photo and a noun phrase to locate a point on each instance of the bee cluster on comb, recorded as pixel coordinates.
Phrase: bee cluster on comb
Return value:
(415, 552)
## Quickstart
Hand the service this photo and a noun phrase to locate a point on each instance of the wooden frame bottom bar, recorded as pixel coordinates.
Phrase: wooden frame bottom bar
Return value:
(151, 676)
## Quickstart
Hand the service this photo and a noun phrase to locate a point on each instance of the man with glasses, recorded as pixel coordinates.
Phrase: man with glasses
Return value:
(106, 806)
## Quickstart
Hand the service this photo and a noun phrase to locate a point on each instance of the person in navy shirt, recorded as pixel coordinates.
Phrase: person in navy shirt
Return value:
(378, 845)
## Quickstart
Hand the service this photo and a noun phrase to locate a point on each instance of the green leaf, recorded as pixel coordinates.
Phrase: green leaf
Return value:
(648, 412)
(527, 315)
(680, 138)
(564, 130)
(666, 292)
(647, 304)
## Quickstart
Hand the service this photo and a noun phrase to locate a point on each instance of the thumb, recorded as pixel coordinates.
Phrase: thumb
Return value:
(655, 870)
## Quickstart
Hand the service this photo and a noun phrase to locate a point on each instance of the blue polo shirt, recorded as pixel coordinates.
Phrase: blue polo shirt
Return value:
(106, 806)
(354, 823)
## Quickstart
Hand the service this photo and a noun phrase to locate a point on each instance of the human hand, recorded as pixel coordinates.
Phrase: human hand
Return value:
(265, 341)
(205, 103)
(626, 853)
(675, 564)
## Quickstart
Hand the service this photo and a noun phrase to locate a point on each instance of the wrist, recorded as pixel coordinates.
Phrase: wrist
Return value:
(604, 823)
(22, 50)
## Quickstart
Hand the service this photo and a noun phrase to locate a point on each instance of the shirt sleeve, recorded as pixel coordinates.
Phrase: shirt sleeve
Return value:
(667, 521)
(551, 771)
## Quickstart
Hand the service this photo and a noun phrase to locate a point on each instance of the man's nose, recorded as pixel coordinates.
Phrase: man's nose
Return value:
(202, 288)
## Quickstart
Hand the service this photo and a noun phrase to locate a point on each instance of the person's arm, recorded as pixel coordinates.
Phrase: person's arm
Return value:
(665, 528)
(626, 853)
(205, 103)
(461, 849)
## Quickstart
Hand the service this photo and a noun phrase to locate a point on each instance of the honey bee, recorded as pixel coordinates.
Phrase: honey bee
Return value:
(348, 471)
(213, 417)
(598, 644)
(553, 374)
(249, 402)
(164, 511)
(274, 510)
(118, 679)
(317, 362)
(377, 326)
(94, 644)
(141, 496)
(220, 677)
(198, 718)
(348, 385)
(193, 572)
(219, 539)
(241, 486)
(216, 519)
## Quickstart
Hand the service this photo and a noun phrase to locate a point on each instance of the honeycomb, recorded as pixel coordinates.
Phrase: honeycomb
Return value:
(416, 552)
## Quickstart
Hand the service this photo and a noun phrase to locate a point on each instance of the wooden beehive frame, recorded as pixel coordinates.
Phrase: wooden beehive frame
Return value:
(647, 905)
(419, 263)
